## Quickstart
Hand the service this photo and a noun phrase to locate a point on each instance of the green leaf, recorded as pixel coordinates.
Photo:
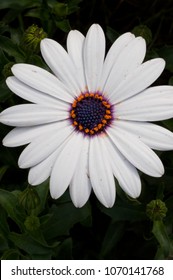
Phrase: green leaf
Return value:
(73, 6)
(3, 169)
(11, 15)
(4, 227)
(63, 217)
(171, 81)
(29, 244)
(3, 243)
(35, 13)
(16, 4)
(64, 251)
(9, 202)
(37, 60)
(3, 27)
(125, 212)
(60, 9)
(11, 49)
(169, 204)
(159, 254)
(168, 124)
(111, 34)
(11, 254)
(144, 31)
(166, 53)
(42, 190)
(3, 59)
(161, 235)
(16, 35)
(64, 25)
(8, 157)
(112, 237)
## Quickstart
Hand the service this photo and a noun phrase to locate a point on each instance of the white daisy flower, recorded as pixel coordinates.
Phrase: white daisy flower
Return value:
(89, 121)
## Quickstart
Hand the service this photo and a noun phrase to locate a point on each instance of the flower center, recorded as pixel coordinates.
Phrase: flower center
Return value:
(91, 113)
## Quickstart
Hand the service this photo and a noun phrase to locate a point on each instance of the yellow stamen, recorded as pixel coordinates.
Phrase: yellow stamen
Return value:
(75, 123)
(80, 127)
(87, 94)
(73, 115)
(108, 112)
(105, 103)
(100, 126)
(107, 117)
(104, 122)
(91, 131)
(74, 104)
(86, 130)
(80, 98)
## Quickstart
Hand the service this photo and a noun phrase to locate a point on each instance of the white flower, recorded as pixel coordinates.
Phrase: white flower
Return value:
(90, 120)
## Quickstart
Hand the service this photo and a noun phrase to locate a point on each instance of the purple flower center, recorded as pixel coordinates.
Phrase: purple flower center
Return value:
(91, 113)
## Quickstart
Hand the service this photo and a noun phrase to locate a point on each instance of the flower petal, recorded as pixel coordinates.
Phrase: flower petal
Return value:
(140, 155)
(100, 172)
(153, 104)
(75, 41)
(33, 95)
(40, 172)
(124, 171)
(138, 80)
(113, 54)
(41, 80)
(61, 64)
(80, 186)
(65, 165)
(19, 136)
(94, 52)
(43, 146)
(154, 136)
(31, 114)
(129, 58)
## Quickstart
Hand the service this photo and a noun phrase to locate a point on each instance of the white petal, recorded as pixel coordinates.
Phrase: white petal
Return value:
(61, 64)
(75, 41)
(31, 114)
(124, 171)
(41, 80)
(43, 146)
(113, 54)
(154, 136)
(40, 172)
(33, 95)
(100, 172)
(80, 186)
(153, 104)
(65, 165)
(94, 52)
(129, 59)
(138, 80)
(140, 155)
(19, 136)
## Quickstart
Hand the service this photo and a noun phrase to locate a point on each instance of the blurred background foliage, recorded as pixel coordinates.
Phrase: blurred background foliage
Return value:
(34, 226)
